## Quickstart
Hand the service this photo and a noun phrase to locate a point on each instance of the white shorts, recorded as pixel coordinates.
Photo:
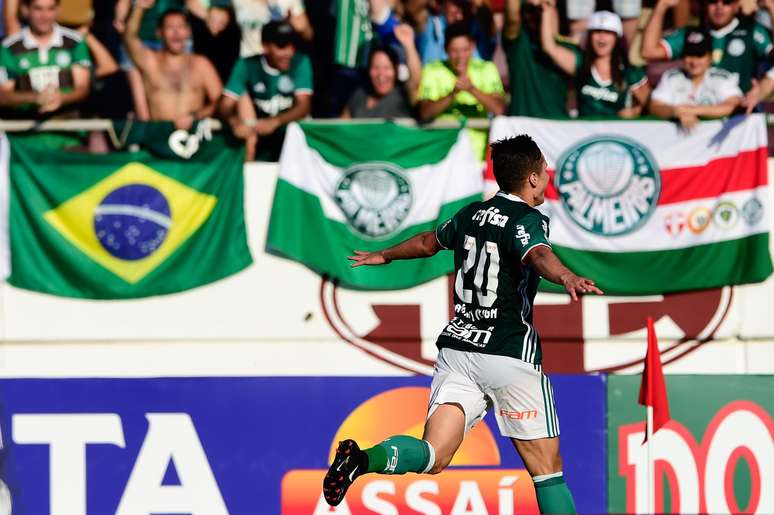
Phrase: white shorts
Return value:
(520, 394)
(581, 9)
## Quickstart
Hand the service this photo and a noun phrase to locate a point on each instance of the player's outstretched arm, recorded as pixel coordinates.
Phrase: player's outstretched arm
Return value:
(543, 259)
(420, 246)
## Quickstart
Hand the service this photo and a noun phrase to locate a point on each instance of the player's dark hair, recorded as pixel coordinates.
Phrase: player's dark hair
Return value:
(172, 11)
(513, 159)
(456, 30)
(27, 3)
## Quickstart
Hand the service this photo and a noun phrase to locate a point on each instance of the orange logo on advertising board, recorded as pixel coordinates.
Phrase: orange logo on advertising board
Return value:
(485, 489)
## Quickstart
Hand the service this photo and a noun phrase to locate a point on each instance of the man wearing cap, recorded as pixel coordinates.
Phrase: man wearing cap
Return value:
(279, 83)
(697, 89)
(738, 44)
(181, 87)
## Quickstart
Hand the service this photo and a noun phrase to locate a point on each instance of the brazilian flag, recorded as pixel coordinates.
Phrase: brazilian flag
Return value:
(127, 224)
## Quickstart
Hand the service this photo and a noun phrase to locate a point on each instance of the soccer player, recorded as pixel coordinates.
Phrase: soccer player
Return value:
(489, 354)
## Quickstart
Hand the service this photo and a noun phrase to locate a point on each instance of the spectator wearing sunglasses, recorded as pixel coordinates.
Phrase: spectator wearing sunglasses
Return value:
(738, 44)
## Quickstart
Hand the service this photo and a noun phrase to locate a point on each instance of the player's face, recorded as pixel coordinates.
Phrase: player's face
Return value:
(42, 15)
(720, 13)
(460, 50)
(696, 66)
(279, 57)
(603, 42)
(382, 74)
(175, 33)
(541, 183)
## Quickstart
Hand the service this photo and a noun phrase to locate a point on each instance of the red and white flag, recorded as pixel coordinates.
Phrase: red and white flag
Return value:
(653, 387)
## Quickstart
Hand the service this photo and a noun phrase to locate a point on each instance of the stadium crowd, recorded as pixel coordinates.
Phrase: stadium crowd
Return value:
(261, 64)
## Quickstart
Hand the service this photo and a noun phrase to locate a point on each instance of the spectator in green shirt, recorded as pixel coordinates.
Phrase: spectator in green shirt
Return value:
(738, 44)
(461, 86)
(605, 83)
(45, 67)
(279, 85)
(538, 86)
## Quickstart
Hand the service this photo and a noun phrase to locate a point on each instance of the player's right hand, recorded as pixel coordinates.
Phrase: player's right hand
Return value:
(579, 285)
(368, 258)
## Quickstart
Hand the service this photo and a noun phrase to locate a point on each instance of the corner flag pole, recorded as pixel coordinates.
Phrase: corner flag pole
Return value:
(650, 467)
(653, 395)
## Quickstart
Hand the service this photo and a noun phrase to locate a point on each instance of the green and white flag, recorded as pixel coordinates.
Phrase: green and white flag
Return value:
(124, 225)
(642, 207)
(366, 187)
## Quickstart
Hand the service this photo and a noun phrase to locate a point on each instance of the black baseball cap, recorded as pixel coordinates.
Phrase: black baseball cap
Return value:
(697, 42)
(280, 33)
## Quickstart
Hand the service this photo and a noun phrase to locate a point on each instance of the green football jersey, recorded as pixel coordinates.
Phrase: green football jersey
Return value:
(494, 289)
(353, 33)
(272, 91)
(737, 48)
(35, 68)
(598, 97)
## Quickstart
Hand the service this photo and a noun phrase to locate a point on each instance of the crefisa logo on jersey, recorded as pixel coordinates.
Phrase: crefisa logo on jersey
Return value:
(375, 198)
(609, 185)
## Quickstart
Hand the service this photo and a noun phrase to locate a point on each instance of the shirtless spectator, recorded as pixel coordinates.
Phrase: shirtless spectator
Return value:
(181, 87)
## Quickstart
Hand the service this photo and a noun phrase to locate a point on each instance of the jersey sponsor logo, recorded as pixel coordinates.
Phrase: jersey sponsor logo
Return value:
(519, 415)
(468, 333)
(522, 235)
(603, 94)
(752, 211)
(609, 185)
(375, 198)
(274, 105)
(725, 215)
(736, 47)
(490, 216)
(475, 315)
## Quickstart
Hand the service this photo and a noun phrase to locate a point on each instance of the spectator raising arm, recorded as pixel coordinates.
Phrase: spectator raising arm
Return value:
(652, 49)
(11, 17)
(549, 29)
(104, 64)
(405, 36)
(512, 25)
(140, 55)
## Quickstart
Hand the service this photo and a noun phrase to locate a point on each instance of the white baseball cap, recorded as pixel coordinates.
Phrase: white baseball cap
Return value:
(605, 20)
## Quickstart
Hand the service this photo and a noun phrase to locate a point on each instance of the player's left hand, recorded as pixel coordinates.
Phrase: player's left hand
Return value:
(579, 285)
(368, 258)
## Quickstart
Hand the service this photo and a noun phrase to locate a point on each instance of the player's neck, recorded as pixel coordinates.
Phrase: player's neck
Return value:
(525, 196)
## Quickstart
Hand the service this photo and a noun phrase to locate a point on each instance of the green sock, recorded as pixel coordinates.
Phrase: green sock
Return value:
(400, 454)
(552, 493)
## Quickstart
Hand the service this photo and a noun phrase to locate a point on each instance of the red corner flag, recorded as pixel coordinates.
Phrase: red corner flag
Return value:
(653, 387)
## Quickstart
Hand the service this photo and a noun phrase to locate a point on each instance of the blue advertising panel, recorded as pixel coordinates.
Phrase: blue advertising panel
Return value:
(261, 445)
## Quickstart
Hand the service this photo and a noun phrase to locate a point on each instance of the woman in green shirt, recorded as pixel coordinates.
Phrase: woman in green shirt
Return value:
(605, 83)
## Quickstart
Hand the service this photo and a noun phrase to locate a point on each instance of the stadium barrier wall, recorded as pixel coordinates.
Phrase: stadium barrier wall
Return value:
(716, 455)
(261, 445)
(307, 326)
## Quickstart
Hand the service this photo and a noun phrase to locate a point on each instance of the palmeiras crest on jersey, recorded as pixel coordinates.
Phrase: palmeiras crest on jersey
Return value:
(609, 185)
(375, 198)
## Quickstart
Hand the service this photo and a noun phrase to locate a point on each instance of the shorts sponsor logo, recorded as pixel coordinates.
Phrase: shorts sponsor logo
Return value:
(609, 185)
(726, 215)
(375, 198)
(674, 223)
(519, 415)
(752, 211)
(699, 219)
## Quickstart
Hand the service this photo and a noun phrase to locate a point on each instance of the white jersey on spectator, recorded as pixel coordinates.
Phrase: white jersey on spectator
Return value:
(252, 15)
(676, 88)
